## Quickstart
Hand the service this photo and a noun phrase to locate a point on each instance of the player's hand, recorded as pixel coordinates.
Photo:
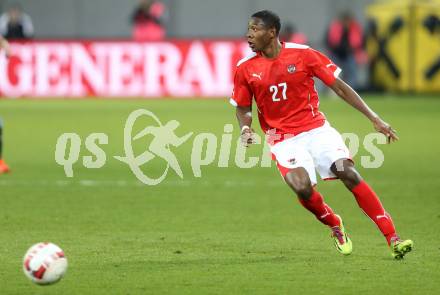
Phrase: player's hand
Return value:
(247, 136)
(385, 128)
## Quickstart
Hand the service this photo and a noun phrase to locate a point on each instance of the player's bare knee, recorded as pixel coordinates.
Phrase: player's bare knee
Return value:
(300, 184)
(304, 191)
(345, 171)
(350, 177)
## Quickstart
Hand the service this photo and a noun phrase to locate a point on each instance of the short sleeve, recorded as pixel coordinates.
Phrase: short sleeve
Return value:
(322, 67)
(241, 94)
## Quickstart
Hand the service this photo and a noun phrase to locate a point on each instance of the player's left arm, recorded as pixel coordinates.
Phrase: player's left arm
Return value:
(347, 93)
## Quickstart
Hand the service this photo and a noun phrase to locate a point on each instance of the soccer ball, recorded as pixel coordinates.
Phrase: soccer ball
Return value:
(44, 263)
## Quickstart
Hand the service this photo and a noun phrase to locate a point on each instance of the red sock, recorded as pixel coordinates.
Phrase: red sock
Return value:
(371, 205)
(321, 210)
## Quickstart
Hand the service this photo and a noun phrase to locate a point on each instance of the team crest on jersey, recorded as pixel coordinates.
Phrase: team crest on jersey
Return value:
(291, 68)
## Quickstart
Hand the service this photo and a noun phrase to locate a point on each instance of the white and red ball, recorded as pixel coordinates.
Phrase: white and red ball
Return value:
(45, 263)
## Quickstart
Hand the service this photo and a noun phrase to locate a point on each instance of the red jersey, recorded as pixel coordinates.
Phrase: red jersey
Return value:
(283, 87)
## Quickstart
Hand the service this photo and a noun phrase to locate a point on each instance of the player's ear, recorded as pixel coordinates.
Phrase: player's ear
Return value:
(273, 33)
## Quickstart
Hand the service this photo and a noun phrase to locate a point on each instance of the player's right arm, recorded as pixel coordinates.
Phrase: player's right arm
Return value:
(242, 100)
(244, 117)
(4, 44)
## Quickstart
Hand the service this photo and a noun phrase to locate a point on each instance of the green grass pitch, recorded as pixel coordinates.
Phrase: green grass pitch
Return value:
(232, 231)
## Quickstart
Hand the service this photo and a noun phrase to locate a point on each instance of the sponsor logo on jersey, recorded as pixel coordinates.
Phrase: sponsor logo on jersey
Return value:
(257, 75)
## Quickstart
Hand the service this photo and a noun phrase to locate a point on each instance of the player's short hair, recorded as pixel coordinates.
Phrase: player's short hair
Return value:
(270, 19)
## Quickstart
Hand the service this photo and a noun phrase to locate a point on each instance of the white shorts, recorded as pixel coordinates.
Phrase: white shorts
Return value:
(316, 149)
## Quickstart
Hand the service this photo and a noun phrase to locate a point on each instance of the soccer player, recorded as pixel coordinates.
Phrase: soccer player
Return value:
(279, 77)
(3, 167)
